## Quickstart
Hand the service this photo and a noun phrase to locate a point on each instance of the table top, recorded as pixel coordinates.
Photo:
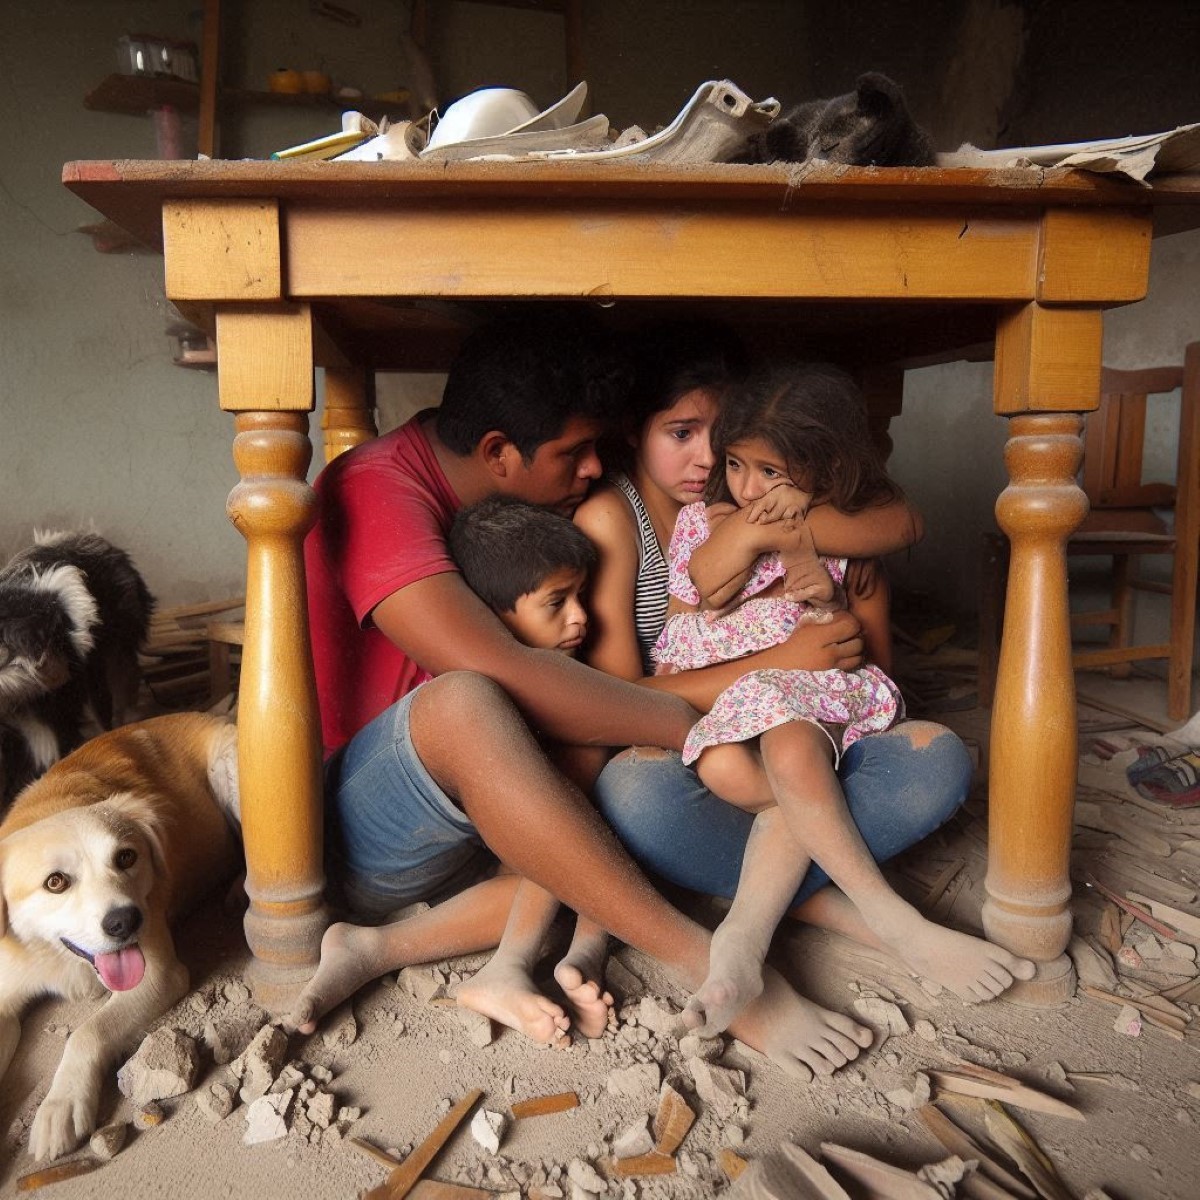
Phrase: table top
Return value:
(381, 330)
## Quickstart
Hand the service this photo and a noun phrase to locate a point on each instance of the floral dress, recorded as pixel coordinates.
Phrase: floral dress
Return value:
(846, 705)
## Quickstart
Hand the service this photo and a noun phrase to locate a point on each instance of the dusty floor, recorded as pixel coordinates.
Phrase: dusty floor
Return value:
(1138, 1138)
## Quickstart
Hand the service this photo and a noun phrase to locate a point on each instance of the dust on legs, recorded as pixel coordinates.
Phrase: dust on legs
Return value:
(503, 991)
(735, 978)
(351, 956)
(974, 969)
(580, 974)
(797, 1035)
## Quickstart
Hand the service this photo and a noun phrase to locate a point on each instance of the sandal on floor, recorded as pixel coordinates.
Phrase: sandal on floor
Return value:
(1174, 783)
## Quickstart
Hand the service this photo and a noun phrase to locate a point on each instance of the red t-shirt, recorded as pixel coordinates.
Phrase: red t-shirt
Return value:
(385, 511)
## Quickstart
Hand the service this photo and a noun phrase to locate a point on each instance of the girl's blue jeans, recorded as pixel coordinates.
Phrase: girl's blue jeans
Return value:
(899, 786)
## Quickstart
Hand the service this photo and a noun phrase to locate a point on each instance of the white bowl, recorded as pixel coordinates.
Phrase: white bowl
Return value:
(485, 113)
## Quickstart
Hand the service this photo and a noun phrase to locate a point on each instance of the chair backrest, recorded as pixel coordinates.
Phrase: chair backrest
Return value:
(1115, 437)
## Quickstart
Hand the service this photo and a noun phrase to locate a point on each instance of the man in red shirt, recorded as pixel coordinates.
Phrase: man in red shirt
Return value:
(425, 784)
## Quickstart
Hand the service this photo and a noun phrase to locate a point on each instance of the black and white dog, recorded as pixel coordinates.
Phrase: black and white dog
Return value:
(73, 613)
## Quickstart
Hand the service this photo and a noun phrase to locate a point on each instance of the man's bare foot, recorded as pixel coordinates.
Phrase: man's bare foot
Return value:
(349, 958)
(504, 992)
(974, 969)
(797, 1035)
(735, 978)
(592, 1006)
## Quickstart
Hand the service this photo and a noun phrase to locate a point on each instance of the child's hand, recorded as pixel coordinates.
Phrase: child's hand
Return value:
(784, 502)
(807, 578)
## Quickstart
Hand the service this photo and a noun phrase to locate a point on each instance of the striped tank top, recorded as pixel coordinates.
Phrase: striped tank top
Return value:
(650, 588)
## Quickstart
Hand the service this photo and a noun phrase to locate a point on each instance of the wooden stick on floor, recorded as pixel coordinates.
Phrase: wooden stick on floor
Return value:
(404, 1178)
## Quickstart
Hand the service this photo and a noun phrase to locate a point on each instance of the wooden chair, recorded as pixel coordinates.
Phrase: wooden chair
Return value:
(1124, 524)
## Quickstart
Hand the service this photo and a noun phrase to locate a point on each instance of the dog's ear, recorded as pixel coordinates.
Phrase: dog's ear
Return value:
(146, 815)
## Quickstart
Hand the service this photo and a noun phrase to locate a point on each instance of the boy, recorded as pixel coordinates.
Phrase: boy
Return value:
(530, 566)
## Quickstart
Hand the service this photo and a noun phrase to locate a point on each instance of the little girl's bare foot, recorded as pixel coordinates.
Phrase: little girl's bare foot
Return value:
(504, 992)
(974, 969)
(592, 1006)
(797, 1035)
(349, 959)
(735, 978)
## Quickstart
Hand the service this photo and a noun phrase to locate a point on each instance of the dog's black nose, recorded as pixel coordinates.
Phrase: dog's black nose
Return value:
(122, 922)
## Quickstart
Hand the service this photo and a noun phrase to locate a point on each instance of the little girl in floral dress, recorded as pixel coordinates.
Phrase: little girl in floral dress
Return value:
(743, 574)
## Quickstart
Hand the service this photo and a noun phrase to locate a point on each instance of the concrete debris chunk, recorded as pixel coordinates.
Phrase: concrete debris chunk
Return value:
(925, 1030)
(342, 1029)
(621, 979)
(638, 1082)
(107, 1142)
(419, 983)
(719, 1087)
(1129, 1021)
(479, 1028)
(290, 1077)
(1092, 964)
(487, 1128)
(215, 1102)
(149, 1115)
(320, 1109)
(659, 1016)
(912, 1098)
(884, 1017)
(786, 1174)
(266, 1118)
(236, 992)
(710, 1049)
(583, 1175)
(260, 1062)
(165, 1064)
(634, 1140)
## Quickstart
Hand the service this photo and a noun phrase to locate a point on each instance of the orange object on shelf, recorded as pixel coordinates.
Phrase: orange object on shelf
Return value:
(286, 80)
(317, 83)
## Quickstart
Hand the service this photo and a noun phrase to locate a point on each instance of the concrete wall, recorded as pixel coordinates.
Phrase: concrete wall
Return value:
(98, 426)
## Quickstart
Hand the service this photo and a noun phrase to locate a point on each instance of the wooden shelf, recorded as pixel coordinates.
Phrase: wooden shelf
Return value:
(139, 94)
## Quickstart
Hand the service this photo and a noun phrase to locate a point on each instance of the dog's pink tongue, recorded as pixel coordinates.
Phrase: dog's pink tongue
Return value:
(122, 969)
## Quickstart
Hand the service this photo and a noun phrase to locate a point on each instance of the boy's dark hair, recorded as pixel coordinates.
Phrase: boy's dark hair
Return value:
(813, 415)
(527, 376)
(506, 548)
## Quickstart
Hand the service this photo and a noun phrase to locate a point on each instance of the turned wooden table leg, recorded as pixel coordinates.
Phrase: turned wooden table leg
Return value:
(1033, 745)
(278, 749)
(349, 416)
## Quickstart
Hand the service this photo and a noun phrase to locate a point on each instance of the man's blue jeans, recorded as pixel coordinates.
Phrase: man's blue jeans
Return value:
(899, 785)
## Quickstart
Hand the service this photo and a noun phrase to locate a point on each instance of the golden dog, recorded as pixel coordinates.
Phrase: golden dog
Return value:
(96, 859)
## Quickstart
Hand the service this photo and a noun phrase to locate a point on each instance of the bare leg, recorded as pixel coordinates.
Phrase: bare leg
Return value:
(798, 765)
(772, 869)
(352, 955)
(580, 974)
(544, 829)
(503, 988)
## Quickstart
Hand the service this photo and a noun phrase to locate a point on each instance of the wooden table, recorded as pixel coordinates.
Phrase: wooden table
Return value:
(357, 267)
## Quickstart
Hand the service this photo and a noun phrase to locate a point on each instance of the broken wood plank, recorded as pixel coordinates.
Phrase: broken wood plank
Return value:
(436, 1189)
(404, 1178)
(732, 1164)
(56, 1174)
(1105, 817)
(1025, 1152)
(1133, 910)
(1135, 717)
(1175, 918)
(941, 883)
(879, 1178)
(971, 1080)
(672, 1121)
(1164, 1021)
(1109, 1078)
(959, 1141)
(541, 1106)
(380, 1156)
(644, 1164)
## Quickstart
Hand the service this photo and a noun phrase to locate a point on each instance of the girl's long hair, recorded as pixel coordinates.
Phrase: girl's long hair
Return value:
(813, 415)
